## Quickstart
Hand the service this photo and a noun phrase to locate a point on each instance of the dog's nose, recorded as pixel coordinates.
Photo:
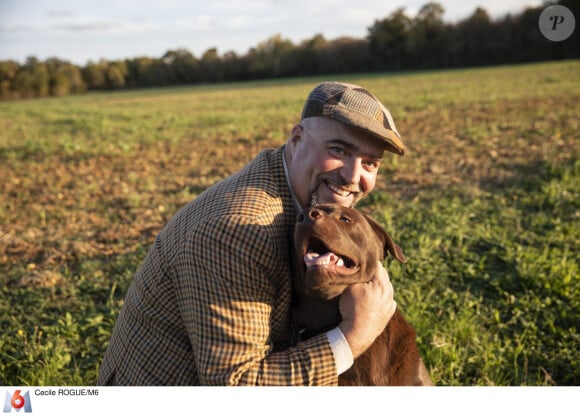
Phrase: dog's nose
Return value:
(314, 213)
(309, 215)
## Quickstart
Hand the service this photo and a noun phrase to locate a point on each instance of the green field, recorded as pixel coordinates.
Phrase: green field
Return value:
(486, 205)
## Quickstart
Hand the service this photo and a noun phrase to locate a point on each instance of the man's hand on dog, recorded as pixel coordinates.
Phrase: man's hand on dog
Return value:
(366, 309)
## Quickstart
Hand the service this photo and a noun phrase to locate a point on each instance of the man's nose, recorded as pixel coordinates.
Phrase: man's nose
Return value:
(351, 171)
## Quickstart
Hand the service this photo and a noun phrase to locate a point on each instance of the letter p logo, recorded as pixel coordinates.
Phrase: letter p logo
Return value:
(556, 20)
(557, 23)
(17, 402)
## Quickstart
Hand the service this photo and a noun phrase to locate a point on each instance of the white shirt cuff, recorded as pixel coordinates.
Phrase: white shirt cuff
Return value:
(341, 350)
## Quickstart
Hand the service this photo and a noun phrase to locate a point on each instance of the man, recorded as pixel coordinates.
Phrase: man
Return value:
(210, 305)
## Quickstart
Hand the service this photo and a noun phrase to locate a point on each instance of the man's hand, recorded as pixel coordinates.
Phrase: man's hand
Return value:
(366, 309)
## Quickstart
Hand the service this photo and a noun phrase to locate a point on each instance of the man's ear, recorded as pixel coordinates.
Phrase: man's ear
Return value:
(296, 134)
(389, 246)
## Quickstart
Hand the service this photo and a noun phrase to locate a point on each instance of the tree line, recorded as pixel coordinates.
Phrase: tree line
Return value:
(394, 43)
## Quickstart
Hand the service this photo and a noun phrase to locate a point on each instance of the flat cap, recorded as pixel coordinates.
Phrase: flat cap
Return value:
(354, 106)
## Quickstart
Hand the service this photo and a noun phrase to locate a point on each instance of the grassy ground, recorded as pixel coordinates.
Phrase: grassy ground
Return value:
(485, 204)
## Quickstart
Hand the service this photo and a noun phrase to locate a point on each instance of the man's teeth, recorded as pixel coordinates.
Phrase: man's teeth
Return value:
(337, 189)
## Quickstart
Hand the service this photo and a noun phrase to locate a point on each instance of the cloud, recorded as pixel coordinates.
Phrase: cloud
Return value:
(197, 23)
(60, 13)
(114, 27)
(95, 26)
(247, 7)
(18, 27)
(207, 23)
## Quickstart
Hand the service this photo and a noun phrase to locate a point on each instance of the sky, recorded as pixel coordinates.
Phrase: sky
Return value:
(82, 31)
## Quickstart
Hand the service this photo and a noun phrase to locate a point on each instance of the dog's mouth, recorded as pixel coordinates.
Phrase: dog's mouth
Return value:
(319, 255)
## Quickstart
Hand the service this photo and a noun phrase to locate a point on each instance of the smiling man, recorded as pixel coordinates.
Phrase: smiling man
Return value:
(211, 303)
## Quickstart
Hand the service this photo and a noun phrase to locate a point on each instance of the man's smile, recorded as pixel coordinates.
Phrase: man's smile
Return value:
(337, 189)
(335, 193)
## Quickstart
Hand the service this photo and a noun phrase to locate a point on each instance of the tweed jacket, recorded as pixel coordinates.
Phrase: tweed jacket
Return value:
(210, 305)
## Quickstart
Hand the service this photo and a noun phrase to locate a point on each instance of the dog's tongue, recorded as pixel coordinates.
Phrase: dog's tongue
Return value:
(315, 259)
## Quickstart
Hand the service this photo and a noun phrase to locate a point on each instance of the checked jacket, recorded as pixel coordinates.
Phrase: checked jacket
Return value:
(210, 304)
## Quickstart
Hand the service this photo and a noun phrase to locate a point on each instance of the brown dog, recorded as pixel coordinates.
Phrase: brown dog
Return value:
(335, 247)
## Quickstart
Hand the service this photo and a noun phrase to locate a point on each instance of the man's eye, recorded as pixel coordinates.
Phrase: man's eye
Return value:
(338, 150)
(371, 164)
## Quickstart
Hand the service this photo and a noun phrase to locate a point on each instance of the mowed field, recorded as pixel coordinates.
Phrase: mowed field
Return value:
(486, 205)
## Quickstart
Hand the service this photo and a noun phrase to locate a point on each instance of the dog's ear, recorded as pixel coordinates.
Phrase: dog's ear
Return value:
(389, 246)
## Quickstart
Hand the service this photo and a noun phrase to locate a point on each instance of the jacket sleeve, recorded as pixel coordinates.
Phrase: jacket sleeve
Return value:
(226, 288)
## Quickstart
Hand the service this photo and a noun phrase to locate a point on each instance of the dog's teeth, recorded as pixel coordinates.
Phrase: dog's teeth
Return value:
(326, 259)
(310, 258)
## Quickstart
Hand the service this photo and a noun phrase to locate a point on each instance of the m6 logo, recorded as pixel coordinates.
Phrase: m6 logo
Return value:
(17, 402)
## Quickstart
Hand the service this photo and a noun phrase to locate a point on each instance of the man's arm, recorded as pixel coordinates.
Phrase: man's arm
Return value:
(227, 292)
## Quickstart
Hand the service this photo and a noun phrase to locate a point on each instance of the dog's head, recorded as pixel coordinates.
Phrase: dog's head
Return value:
(336, 246)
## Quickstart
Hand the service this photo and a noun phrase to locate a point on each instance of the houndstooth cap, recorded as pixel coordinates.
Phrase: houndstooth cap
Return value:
(354, 106)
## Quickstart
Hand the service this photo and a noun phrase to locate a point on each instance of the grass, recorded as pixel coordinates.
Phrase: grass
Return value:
(498, 272)
(485, 205)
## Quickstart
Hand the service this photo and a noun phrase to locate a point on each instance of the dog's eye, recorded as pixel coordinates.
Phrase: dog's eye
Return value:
(345, 219)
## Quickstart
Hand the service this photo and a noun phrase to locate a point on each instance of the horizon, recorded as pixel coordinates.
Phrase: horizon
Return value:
(119, 30)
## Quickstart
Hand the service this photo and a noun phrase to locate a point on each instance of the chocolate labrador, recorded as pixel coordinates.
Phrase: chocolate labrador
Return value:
(335, 247)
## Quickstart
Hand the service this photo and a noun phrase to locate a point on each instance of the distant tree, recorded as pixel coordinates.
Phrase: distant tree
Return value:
(8, 73)
(474, 40)
(116, 74)
(388, 40)
(141, 72)
(346, 54)
(211, 66)
(235, 67)
(94, 75)
(272, 58)
(183, 67)
(40, 76)
(529, 44)
(427, 42)
(32, 79)
(307, 56)
(24, 85)
(431, 14)
(65, 78)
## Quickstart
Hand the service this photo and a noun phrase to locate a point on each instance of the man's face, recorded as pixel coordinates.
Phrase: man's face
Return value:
(332, 163)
